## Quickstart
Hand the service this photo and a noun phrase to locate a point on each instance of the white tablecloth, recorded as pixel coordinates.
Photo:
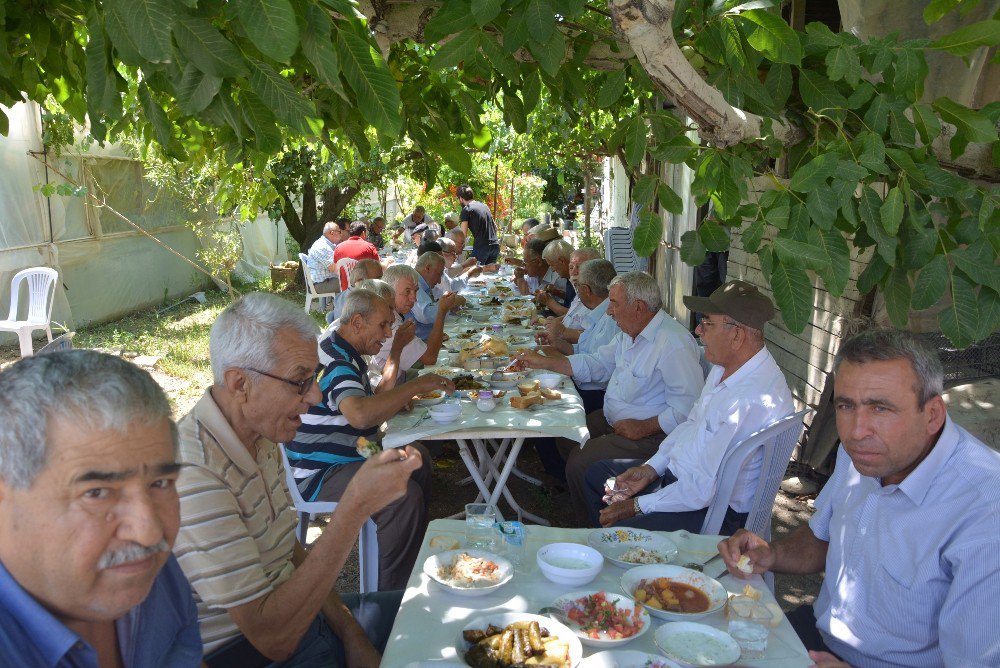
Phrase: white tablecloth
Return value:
(430, 619)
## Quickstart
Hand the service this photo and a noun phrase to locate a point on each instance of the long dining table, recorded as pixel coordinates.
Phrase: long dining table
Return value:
(430, 620)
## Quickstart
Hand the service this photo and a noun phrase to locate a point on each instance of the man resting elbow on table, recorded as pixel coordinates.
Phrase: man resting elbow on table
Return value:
(905, 530)
(745, 392)
(261, 598)
(425, 310)
(324, 454)
(569, 323)
(653, 377)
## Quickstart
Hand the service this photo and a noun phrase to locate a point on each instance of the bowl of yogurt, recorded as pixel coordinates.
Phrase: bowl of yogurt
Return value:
(569, 563)
(695, 645)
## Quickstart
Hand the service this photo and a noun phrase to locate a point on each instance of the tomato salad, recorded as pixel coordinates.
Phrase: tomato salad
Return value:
(600, 619)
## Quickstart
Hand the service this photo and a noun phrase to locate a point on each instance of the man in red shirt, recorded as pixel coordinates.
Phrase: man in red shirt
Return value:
(356, 247)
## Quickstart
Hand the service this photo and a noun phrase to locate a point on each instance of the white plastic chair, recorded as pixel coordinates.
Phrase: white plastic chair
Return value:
(367, 542)
(344, 266)
(41, 291)
(58, 344)
(311, 293)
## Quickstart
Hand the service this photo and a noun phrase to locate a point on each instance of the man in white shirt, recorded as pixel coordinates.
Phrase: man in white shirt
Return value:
(322, 268)
(745, 392)
(418, 217)
(653, 377)
(456, 276)
(575, 316)
(905, 530)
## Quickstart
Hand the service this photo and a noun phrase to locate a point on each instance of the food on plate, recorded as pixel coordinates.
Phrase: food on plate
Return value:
(466, 570)
(751, 592)
(466, 382)
(527, 400)
(672, 596)
(427, 396)
(549, 394)
(488, 345)
(600, 619)
(744, 564)
(699, 649)
(440, 542)
(497, 394)
(495, 301)
(517, 644)
(499, 290)
(756, 595)
(640, 555)
(366, 448)
(527, 387)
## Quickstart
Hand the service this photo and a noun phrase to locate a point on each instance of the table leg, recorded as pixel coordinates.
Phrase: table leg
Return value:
(531, 480)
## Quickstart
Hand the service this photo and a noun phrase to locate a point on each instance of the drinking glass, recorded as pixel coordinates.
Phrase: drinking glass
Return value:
(749, 626)
(479, 521)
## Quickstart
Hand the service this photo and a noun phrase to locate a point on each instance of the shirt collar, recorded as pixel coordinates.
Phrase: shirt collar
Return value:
(50, 636)
(210, 417)
(918, 482)
(649, 331)
(422, 284)
(359, 361)
(597, 312)
(746, 371)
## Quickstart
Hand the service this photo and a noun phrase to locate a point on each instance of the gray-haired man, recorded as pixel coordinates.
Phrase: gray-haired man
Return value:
(88, 513)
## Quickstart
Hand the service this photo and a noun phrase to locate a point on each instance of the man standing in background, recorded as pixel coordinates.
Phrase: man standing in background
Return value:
(477, 219)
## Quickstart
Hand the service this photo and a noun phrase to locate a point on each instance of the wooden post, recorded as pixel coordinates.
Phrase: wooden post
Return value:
(586, 199)
(496, 187)
(510, 223)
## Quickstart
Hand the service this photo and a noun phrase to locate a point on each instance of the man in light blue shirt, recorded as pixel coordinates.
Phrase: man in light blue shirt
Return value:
(905, 530)
(430, 266)
(322, 268)
(653, 376)
(88, 515)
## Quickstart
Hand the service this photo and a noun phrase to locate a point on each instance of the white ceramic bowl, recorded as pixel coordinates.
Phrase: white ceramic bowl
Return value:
(438, 398)
(626, 658)
(502, 619)
(614, 542)
(620, 602)
(445, 413)
(717, 594)
(508, 382)
(549, 380)
(434, 563)
(569, 563)
(704, 646)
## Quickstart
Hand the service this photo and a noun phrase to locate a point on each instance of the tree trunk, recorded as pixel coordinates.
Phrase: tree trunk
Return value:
(587, 180)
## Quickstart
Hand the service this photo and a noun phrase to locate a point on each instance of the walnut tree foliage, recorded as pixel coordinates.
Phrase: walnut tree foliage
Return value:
(250, 80)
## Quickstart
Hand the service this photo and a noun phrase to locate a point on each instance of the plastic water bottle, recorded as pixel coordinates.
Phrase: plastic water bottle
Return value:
(512, 538)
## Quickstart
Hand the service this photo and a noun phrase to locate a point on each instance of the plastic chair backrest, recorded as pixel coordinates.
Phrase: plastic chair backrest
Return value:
(619, 251)
(344, 266)
(58, 344)
(304, 261)
(41, 291)
(778, 440)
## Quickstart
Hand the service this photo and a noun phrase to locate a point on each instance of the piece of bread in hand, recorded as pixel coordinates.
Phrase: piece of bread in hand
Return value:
(744, 564)
(550, 394)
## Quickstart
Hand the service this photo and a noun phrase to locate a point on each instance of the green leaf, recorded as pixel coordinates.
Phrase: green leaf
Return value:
(822, 205)
(960, 319)
(891, 211)
(869, 210)
(726, 196)
(926, 121)
(793, 294)
(800, 253)
(196, 89)
(669, 200)
(102, 95)
(485, 11)
(453, 16)
(280, 96)
(843, 63)
(270, 25)
(779, 84)
(531, 89)
(514, 111)
(979, 261)
(635, 140)
(540, 19)
(931, 284)
(692, 249)
(645, 190)
(205, 46)
(773, 37)
(777, 215)
(148, 23)
(896, 292)
(877, 116)
(368, 76)
(713, 236)
(612, 89)
(968, 38)
(457, 158)
(515, 35)
(259, 118)
(819, 93)
(460, 47)
(936, 9)
(814, 173)
(973, 126)
(752, 236)
(872, 275)
(838, 272)
(910, 70)
(501, 61)
(862, 93)
(317, 47)
(549, 54)
(989, 313)
(647, 235)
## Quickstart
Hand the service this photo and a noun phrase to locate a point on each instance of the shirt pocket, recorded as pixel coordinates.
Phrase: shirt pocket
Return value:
(904, 601)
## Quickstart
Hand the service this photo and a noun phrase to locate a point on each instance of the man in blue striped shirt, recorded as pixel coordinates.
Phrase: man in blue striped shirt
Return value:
(324, 454)
(906, 529)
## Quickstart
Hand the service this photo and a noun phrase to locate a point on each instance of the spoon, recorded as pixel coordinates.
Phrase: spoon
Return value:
(557, 614)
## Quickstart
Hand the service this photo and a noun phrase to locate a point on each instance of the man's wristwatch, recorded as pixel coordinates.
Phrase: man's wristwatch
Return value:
(635, 506)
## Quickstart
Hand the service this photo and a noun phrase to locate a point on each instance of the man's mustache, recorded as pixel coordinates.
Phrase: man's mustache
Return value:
(130, 553)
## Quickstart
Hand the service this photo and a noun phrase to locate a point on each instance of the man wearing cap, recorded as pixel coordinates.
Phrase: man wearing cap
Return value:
(745, 391)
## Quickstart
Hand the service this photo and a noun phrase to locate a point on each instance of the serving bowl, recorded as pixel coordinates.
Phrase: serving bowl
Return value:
(438, 397)
(614, 542)
(694, 645)
(569, 563)
(566, 603)
(626, 658)
(713, 589)
(445, 412)
(434, 563)
(549, 380)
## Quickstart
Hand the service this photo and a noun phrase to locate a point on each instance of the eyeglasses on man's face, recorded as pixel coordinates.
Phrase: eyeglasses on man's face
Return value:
(302, 386)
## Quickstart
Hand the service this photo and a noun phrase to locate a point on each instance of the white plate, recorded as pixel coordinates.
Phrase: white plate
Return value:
(430, 402)
(502, 619)
(435, 562)
(621, 602)
(613, 543)
(715, 648)
(717, 594)
(627, 658)
(443, 371)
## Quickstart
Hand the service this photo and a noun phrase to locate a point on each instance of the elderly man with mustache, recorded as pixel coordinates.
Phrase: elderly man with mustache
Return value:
(88, 514)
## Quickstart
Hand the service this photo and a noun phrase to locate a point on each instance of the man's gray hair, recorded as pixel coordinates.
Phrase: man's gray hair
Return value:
(456, 233)
(639, 285)
(332, 225)
(430, 259)
(597, 275)
(361, 302)
(379, 287)
(586, 254)
(361, 271)
(89, 389)
(559, 249)
(394, 273)
(447, 244)
(243, 334)
(886, 345)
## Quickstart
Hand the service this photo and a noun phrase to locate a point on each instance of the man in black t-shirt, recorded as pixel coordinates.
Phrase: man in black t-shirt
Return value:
(476, 217)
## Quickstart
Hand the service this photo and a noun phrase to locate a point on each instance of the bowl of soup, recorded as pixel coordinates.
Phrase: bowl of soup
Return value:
(674, 593)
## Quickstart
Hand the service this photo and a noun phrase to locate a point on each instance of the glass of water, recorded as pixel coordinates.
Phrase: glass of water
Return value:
(479, 521)
(749, 625)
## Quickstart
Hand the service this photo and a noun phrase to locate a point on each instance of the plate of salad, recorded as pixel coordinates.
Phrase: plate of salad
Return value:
(603, 619)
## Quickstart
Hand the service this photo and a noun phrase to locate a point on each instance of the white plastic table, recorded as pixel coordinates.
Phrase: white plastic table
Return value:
(430, 620)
